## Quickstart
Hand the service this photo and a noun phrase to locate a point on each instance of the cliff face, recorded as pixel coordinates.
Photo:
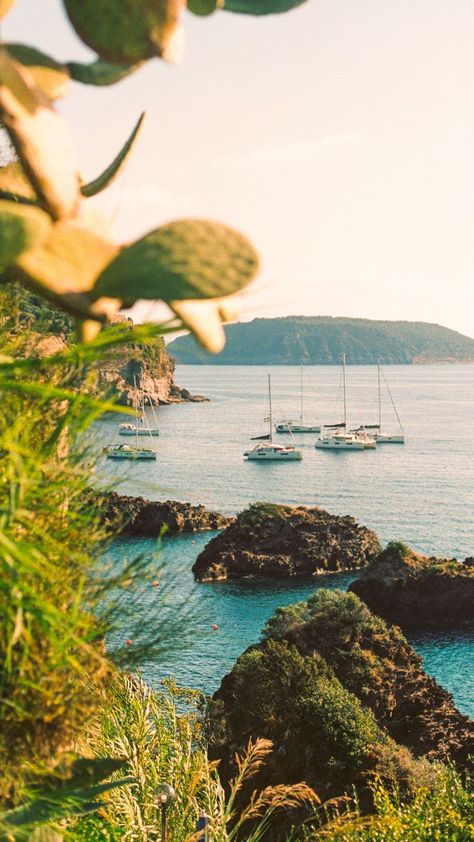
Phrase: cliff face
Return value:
(267, 540)
(417, 592)
(143, 369)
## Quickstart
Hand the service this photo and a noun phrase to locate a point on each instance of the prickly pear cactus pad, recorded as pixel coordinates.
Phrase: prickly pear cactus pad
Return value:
(191, 258)
(51, 77)
(21, 228)
(125, 31)
(260, 7)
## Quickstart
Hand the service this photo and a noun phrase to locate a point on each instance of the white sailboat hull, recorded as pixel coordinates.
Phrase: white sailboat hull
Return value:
(335, 443)
(274, 453)
(124, 451)
(384, 438)
(138, 431)
(289, 427)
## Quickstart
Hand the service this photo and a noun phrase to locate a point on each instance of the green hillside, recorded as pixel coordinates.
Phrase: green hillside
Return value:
(321, 340)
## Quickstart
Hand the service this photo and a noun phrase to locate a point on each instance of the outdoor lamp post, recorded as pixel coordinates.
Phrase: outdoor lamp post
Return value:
(165, 795)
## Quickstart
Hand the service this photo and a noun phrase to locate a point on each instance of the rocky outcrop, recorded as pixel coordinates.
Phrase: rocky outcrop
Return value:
(417, 592)
(341, 694)
(145, 372)
(137, 516)
(267, 540)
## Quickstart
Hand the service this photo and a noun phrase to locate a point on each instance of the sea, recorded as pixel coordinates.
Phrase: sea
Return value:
(421, 493)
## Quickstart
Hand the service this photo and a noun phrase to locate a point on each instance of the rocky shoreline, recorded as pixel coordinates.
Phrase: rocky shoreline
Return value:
(267, 540)
(417, 592)
(138, 516)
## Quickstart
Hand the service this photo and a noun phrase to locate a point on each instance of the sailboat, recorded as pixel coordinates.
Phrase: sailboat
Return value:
(289, 426)
(339, 438)
(134, 452)
(142, 428)
(267, 451)
(387, 438)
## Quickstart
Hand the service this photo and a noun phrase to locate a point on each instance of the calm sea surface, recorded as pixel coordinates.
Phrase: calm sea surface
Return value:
(421, 493)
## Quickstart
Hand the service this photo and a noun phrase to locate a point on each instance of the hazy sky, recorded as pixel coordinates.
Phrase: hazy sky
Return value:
(339, 137)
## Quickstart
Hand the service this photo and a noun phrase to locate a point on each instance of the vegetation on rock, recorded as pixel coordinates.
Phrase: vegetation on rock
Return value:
(322, 340)
(415, 591)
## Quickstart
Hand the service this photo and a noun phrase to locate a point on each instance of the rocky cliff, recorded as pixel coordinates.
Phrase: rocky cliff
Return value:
(418, 592)
(267, 540)
(147, 370)
(137, 516)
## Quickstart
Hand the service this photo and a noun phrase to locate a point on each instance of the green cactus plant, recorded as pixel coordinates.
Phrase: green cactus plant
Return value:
(260, 7)
(21, 228)
(191, 258)
(126, 31)
(51, 77)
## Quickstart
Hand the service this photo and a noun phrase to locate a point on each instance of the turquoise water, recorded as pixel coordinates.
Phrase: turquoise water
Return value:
(421, 493)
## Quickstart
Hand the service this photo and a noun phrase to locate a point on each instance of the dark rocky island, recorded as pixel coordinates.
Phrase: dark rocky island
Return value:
(417, 592)
(341, 695)
(137, 516)
(267, 540)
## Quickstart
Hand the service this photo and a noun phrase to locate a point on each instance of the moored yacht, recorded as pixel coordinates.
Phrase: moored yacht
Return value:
(288, 426)
(129, 451)
(267, 450)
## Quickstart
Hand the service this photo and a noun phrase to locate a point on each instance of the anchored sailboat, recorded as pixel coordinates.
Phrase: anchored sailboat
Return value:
(133, 451)
(388, 438)
(142, 428)
(339, 438)
(289, 426)
(271, 451)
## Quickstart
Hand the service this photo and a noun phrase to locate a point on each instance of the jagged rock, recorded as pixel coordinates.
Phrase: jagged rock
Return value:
(267, 540)
(414, 591)
(137, 516)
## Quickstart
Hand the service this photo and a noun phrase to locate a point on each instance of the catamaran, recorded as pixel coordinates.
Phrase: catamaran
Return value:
(271, 451)
(134, 452)
(379, 436)
(289, 426)
(388, 438)
(142, 428)
(339, 438)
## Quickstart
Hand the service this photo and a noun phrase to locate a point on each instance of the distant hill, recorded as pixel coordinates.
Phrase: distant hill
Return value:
(321, 340)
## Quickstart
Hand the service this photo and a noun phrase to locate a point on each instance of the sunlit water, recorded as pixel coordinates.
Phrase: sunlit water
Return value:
(421, 493)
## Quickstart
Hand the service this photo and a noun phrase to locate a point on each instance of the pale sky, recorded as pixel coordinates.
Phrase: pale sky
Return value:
(339, 137)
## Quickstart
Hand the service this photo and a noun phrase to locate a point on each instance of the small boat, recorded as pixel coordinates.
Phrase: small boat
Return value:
(339, 438)
(135, 430)
(289, 426)
(270, 451)
(387, 438)
(142, 428)
(128, 451)
(281, 452)
(336, 441)
(134, 452)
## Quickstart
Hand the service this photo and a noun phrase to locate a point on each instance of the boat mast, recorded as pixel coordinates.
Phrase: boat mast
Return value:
(135, 406)
(301, 393)
(344, 388)
(270, 406)
(380, 397)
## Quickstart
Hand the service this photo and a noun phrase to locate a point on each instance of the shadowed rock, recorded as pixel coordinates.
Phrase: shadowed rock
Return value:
(267, 540)
(418, 592)
(137, 516)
